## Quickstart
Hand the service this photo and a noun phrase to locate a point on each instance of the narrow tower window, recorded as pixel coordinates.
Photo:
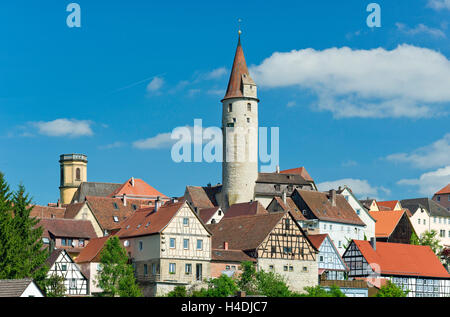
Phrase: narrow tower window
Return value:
(78, 174)
(230, 107)
(249, 107)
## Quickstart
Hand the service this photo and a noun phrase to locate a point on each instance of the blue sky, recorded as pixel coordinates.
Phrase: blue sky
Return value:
(365, 107)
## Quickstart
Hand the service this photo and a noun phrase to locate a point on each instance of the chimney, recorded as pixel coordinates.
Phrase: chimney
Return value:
(225, 245)
(132, 181)
(157, 203)
(278, 169)
(333, 197)
(174, 200)
(284, 198)
(124, 199)
(373, 243)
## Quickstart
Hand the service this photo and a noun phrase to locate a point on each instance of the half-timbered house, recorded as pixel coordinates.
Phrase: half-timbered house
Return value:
(61, 264)
(414, 268)
(169, 246)
(331, 264)
(275, 240)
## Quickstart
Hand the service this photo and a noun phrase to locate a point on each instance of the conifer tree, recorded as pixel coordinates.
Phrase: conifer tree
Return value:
(6, 230)
(31, 254)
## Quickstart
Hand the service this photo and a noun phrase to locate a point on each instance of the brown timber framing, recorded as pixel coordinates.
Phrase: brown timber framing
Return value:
(289, 240)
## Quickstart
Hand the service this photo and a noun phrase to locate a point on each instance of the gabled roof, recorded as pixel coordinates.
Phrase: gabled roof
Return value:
(239, 73)
(15, 288)
(73, 209)
(445, 190)
(68, 228)
(91, 253)
(299, 171)
(147, 222)
(290, 206)
(135, 187)
(245, 209)
(47, 212)
(434, 208)
(54, 256)
(106, 208)
(403, 259)
(206, 214)
(94, 189)
(199, 197)
(387, 221)
(390, 205)
(317, 239)
(245, 232)
(320, 205)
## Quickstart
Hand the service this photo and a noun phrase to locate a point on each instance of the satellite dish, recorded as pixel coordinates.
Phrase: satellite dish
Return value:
(126, 243)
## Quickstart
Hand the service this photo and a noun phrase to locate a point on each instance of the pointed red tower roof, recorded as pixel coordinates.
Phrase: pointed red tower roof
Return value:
(239, 73)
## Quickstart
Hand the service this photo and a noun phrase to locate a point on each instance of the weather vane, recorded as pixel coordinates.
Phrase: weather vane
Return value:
(239, 24)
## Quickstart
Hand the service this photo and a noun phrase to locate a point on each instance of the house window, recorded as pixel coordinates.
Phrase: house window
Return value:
(230, 107)
(63, 267)
(321, 258)
(438, 198)
(188, 269)
(271, 268)
(198, 272)
(81, 243)
(418, 220)
(145, 270)
(305, 269)
(227, 267)
(273, 249)
(141, 245)
(134, 207)
(172, 268)
(331, 227)
(287, 224)
(248, 120)
(285, 268)
(249, 107)
(440, 219)
(186, 244)
(78, 174)
(442, 233)
(153, 268)
(291, 268)
(45, 240)
(185, 222)
(233, 267)
(287, 250)
(64, 242)
(230, 125)
(199, 244)
(73, 283)
(234, 120)
(340, 244)
(172, 243)
(116, 219)
(424, 221)
(358, 212)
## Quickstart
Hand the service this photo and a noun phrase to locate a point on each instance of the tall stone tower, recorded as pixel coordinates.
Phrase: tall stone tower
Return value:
(240, 134)
(73, 173)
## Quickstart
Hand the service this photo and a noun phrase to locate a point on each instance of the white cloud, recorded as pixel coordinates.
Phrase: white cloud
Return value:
(64, 127)
(164, 140)
(361, 188)
(349, 163)
(155, 84)
(407, 81)
(434, 155)
(216, 73)
(291, 104)
(439, 4)
(420, 29)
(431, 182)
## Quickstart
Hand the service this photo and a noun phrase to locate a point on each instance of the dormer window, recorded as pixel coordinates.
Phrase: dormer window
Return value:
(115, 206)
(116, 219)
(134, 207)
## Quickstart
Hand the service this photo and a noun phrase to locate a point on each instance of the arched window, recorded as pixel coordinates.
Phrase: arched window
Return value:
(78, 174)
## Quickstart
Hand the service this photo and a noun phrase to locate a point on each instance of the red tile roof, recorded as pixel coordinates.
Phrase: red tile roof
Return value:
(205, 214)
(320, 205)
(147, 221)
(445, 190)
(299, 171)
(290, 206)
(403, 259)
(140, 189)
(47, 212)
(91, 253)
(68, 228)
(244, 232)
(238, 72)
(198, 197)
(317, 239)
(245, 209)
(386, 221)
(387, 204)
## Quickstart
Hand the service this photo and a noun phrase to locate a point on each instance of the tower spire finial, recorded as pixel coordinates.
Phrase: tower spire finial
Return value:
(239, 25)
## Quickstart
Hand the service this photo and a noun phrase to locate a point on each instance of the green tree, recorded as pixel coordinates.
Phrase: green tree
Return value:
(7, 241)
(414, 239)
(319, 291)
(271, 285)
(428, 238)
(31, 253)
(247, 280)
(391, 290)
(179, 291)
(54, 286)
(222, 286)
(116, 277)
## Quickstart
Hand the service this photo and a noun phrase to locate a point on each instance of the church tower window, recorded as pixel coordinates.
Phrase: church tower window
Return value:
(230, 107)
(78, 174)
